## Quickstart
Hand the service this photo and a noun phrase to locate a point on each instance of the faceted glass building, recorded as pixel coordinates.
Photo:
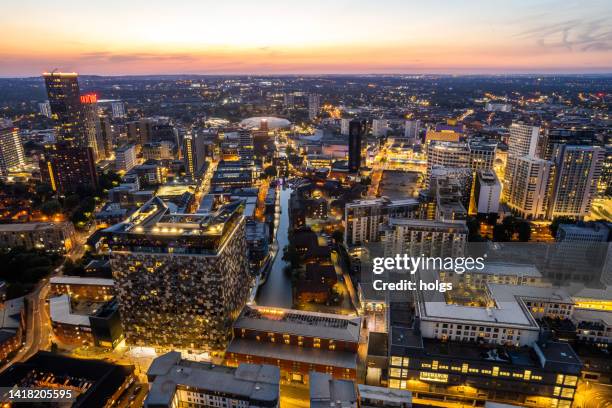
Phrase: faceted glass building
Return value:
(181, 279)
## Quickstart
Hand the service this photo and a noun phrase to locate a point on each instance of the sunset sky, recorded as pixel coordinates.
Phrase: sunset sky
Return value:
(310, 37)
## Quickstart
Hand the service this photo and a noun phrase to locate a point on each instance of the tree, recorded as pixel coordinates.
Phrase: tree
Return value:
(524, 231)
(51, 207)
(500, 233)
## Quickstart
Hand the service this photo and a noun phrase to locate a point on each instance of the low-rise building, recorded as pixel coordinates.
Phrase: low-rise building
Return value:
(297, 341)
(45, 236)
(96, 383)
(177, 382)
(12, 326)
(97, 289)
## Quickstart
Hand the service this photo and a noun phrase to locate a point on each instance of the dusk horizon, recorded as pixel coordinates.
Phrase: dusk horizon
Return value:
(314, 38)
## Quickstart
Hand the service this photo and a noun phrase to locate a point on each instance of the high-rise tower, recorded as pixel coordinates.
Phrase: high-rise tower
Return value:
(64, 99)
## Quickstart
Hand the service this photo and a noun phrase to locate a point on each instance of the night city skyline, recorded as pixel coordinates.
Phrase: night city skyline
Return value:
(306, 204)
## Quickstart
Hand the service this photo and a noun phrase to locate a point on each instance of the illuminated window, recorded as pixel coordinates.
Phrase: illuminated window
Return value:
(570, 380)
(495, 371)
(434, 377)
(395, 372)
(560, 378)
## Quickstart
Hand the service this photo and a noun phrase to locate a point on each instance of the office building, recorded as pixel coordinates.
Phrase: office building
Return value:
(96, 383)
(176, 382)
(424, 237)
(12, 156)
(158, 150)
(487, 192)
(67, 169)
(577, 173)
(181, 279)
(363, 219)
(118, 109)
(140, 131)
(529, 190)
(44, 108)
(91, 124)
(326, 391)
(194, 146)
(379, 127)
(452, 194)
(344, 126)
(314, 105)
(446, 154)
(64, 98)
(245, 145)
(523, 141)
(554, 137)
(498, 107)
(80, 321)
(94, 289)
(107, 136)
(357, 130)
(482, 154)
(125, 158)
(46, 236)
(288, 100)
(296, 341)
(12, 327)
(412, 129)
(581, 254)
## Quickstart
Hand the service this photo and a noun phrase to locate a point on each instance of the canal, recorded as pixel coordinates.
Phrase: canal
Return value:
(276, 291)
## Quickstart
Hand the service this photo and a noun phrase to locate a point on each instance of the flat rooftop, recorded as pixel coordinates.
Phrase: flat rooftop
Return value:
(155, 218)
(509, 305)
(289, 352)
(300, 323)
(257, 382)
(80, 280)
(28, 226)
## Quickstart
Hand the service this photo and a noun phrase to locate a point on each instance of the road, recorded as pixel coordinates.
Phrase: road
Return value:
(38, 328)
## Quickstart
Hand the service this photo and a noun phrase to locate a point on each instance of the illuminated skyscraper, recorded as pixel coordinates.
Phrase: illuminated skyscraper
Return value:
(578, 170)
(532, 183)
(523, 142)
(412, 129)
(379, 127)
(356, 132)
(118, 109)
(91, 122)
(194, 152)
(68, 168)
(344, 127)
(314, 104)
(64, 99)
(11, 149)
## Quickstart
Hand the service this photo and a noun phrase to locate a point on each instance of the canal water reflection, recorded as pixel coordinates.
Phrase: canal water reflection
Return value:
(276, 291)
